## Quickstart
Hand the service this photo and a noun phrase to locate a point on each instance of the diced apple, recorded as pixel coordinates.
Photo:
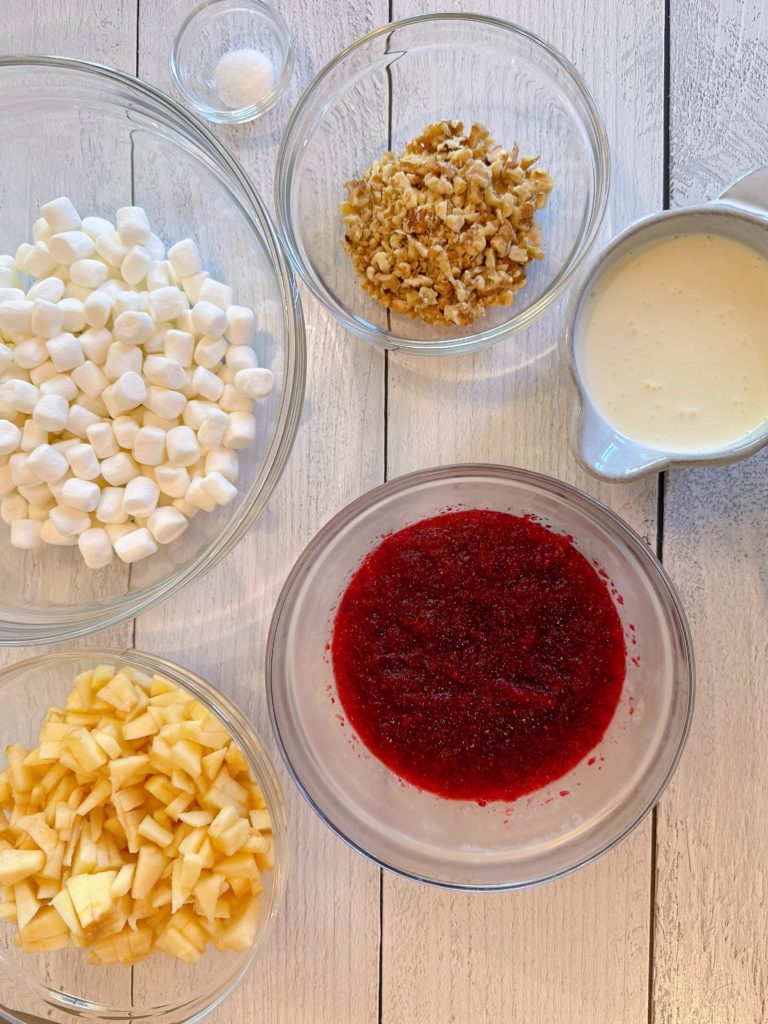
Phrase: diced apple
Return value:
(139, 728)
(126, 771)
(155, 832)
(240, 933)
(212, 762)
(150, 865)
(87, 754)
(44, 933)
(16, 865)
(27, 903)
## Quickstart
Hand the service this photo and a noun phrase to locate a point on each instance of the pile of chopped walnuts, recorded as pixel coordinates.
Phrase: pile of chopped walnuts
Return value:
(448, 227)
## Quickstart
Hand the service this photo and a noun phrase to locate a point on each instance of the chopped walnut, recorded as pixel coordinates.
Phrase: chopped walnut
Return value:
(446, 228)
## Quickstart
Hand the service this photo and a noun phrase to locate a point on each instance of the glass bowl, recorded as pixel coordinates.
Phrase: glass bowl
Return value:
(455, 843)
(217, 27)
(105, 140)
(62, 986)
(381, 92)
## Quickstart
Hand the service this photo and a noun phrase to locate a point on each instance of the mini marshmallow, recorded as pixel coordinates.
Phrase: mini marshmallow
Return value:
(51, 413)
(133, 327)
(83, 461)
(38, 496)
(49, 288)
(45, 371)
(156, 344)
(52, 535)
(117, 530)
(73, 312)
(172, 480)
(207, 384)
(149, 446)
(127, 302)
(21, 254)
(38, 261)
(102, 439)
(167, 303)
(241, 323)
(22, 474)
(136, 264)
(42, 231)
(47, 319)
(96, 226)
(119, 469)
(6, 481)
(40, 514)
(185, 258)
(155, 247)
(135, 545)
(208, 319)
(65, 351)
(209, 352)
(95, 547)
(217, 486)
(30, 354)
(198, 497)
(132, 225)
(89, 378)
(97, 308)
(69, 520)
(128, 392)
(195, 412)
(13, 507)
(233, 400)
(110, 507)
(182, 446)
(12, 295)
(6, 356)
(76, 291)
(47, 464)
(10, 437)
(61, 214)
(157, 275)
(179, 346)
(62, 384)
(65, 445)
(80, 419)
(68, 246)
(167, 524)
(184, 322)
(122, 358)
(83, 495)
(16, 318)
(213, 428)
(19, 395)
(94, 405)
(193, 284)
(141, 496)
(216, 292)
(125, 429)
(183, 506)
(164, 402)
(26, 534)
(164, 372)
(31, 437)
(151, 419)
(111, 247)
(240, 357)
(241, 432)
(88, 273)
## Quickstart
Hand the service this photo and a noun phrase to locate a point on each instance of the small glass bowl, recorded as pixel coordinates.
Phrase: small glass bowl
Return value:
(62, 986)
(217, 27)
(458, 844)
(381, 92)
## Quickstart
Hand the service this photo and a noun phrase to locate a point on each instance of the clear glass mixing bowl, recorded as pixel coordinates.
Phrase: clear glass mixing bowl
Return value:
(62, 987)
(381, 92)
(456, 843)
(107, 140)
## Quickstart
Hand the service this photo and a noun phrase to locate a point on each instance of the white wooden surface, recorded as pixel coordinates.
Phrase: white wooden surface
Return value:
(672, 927)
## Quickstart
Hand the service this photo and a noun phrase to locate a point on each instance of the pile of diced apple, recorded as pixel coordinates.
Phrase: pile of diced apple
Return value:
(134, 826)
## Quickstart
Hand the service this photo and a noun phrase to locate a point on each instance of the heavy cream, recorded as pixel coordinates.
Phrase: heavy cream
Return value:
(674, 343)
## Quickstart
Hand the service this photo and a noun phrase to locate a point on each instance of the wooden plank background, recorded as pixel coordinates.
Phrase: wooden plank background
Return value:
(672, 926)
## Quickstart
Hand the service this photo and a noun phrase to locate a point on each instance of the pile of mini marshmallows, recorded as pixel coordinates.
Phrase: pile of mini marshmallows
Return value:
(127, 386)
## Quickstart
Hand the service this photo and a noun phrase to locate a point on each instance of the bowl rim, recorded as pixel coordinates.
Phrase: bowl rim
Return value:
(245, 735)
(78, 621)
(237, 115)
(290, 146)
(540, 481)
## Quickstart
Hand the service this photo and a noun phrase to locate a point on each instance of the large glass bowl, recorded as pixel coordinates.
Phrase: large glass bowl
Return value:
(107, 140)
(381, 92)
(62, 987)
(456, 843)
